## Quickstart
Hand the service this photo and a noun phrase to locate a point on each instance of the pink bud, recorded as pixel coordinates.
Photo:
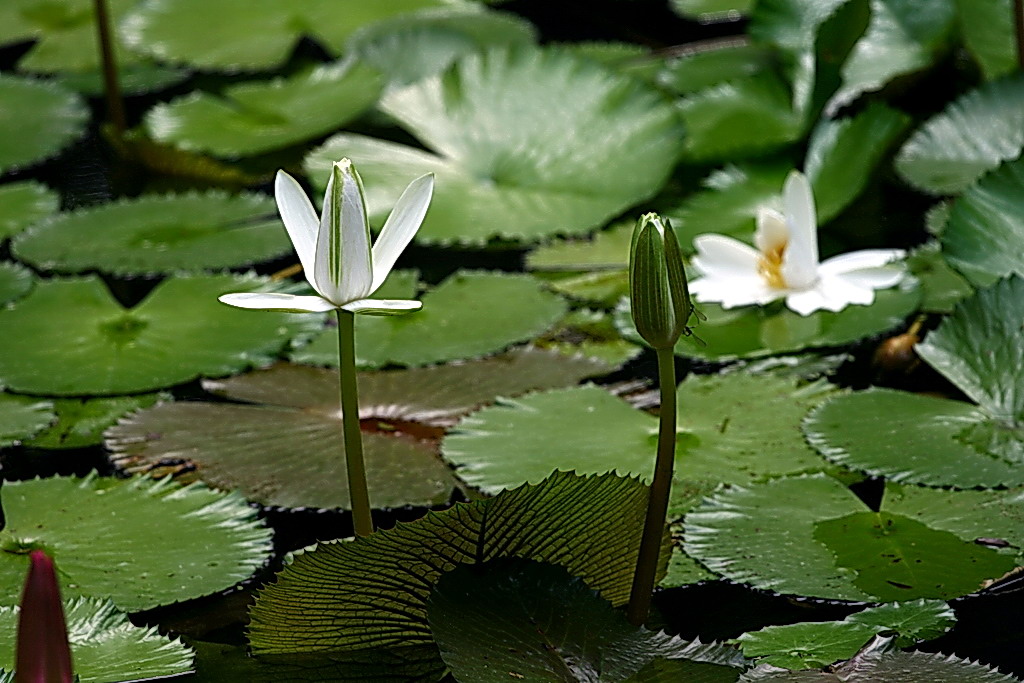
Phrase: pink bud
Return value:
(43, 654)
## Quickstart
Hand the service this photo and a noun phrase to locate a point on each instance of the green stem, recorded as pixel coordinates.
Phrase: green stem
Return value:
(657, 502)
(359, 495)
(1018, 24)
(111, 84)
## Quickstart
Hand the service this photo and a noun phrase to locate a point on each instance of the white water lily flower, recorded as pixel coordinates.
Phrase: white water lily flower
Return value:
(785, 263)
(335, 249)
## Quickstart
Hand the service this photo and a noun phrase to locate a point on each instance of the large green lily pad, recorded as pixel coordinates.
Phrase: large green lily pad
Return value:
(732, 428)
(812, 536)
(470, 314)
(139, 542)
(525, 143)
(372, 592)
(24, 203)
(38, 119)
(105, 646)
(80, 422)
(256, 117)
(286, 451)
(70, 337)
(158, 234)
(22, 417)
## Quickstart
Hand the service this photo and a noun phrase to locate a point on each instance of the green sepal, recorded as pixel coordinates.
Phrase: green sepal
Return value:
(661, 305)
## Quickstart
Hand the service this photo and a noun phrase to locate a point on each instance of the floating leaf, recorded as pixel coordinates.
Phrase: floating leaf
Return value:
(158, 234)
(809, 645)
(983, 235)
(372, 592)
(102, 533)
(38, 119)
(134, 77)
(285, 451)
(24, 203)
(459, 319)
(709, 11)
(811, 536)
(988, 34)
(734, 428)
(69, 336)
(105, 646)
(15, 281)
(22, 417)
(913, 620)
(591, 334)
(256, 117)
(974, 134)
(941, 286)
(754, 331)
(903, 37)
(81, 421)
(594, 269)
(702, 69)
(412, 46)
(177, 31)
(525, 143)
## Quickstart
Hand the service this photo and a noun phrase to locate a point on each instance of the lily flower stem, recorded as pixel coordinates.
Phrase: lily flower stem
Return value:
(657, 502)
(359, 495)
(111, 84)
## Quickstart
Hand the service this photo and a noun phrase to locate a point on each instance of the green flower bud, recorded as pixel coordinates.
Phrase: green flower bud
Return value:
(661, 303)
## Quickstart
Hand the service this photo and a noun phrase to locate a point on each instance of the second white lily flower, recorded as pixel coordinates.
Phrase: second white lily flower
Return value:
(334, 249)
(785, 263)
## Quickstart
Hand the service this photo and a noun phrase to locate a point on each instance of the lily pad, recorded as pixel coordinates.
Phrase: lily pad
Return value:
(709, 11)
(412, 46)
(913, 620)
(102, 531)
(705, 68)
(69, 336)
(941, 286)
(158, 234)
(974, 134)
(24, 203)
(461, 318)
(38, 119)
(105, 646)
(178, 31)
(372, 592)
(134, 77)
(983, 234)
(15, 281)
(988, 34)
(257, 117)
(733, 428)
(525, 143)
(591, 334)
(285, 450)
(22, 417)
(80, 421)
(812, 536)
(754, 331)
(593, 270)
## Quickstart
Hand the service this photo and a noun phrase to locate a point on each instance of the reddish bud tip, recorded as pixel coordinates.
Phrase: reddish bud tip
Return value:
(43, 653)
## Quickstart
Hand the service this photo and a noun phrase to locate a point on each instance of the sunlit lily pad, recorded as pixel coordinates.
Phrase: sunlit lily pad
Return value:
(471, 314)
(70, 337)
(38, 119)
(256, 117)
(22, 417)
(974, 134)
(525, 143)
(178, 31)
(983, 235)
(988, 34)
(372, 592)
(812, 536)
(158, 234)
(15, 281)
(285, 450)
(24, 203)
(105, 646)
(753, 331)
(80, 422)
(413, 46)
(101, 533)
(733, 428)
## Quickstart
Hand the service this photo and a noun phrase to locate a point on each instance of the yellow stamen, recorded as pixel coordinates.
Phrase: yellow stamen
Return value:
(770, 266)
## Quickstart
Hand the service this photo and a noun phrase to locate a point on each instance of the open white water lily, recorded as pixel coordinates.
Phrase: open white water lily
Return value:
(335, 249)
(785, 263)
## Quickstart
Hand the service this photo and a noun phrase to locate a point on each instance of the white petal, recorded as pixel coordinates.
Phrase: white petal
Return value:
(401, 227)
(800, 262)
(829, 294)
(859, 260)
(343, 269)
(383, 306)
(721, 256)
(874, 278)
(299, 218)
(772, 231)
(731, 292)
(277, 302)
